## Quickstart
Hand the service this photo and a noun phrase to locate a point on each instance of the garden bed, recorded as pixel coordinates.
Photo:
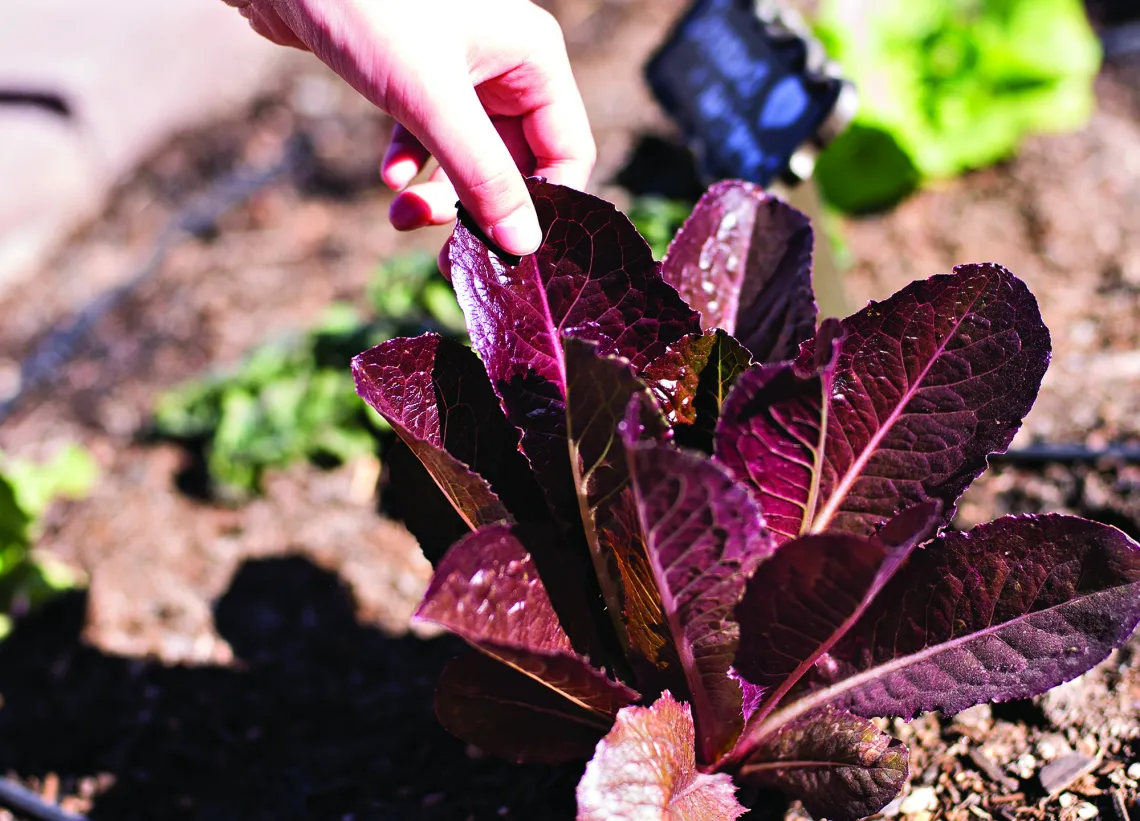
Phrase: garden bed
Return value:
(254, 663)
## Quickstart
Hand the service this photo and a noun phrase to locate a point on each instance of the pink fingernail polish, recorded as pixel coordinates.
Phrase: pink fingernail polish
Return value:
(519, 233)
(408, 212)
(400, 173)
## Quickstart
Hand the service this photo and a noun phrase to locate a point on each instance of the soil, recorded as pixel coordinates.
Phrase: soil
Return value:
(256, 662)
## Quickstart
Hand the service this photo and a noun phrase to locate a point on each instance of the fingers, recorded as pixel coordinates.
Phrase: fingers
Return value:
(423, 204)
(460, 135)
(404, 159)
(544, 95)
(433, 202)
(514, 138)
(557, 128)
(560, 138)
(443, 261)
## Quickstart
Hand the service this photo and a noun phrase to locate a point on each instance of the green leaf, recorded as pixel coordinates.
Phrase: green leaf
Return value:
(658, 219)
(865, 169)
(71, 474)
(14, 523)
(439, 301)
(294, 400)
(26, 490)
(396, 285)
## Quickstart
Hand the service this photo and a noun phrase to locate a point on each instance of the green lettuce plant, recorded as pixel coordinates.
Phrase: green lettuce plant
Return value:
(950, 85)
(27, 488)
(293, 400)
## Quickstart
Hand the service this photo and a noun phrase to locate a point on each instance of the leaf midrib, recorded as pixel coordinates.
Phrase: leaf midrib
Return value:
(798, 764)
(489, 648)
(831, 508)
(887, 569)
(702, 703)
(831, 694)
(586, 720)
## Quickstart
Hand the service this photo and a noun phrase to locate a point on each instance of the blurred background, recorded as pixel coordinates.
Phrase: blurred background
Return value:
(205, 584)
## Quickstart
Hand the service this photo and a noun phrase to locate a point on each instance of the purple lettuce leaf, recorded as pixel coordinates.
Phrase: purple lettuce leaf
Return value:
(593, 278)
(603, 395)
(435, 394)
(705, 536)
(772, 430)
(929, 383)
(487, 590)
(1004, 611)
(743, 260)
(691, 381)
(413, 498)
(842, 767)
(511, 715)
(645, 768)
(811, 593)
(751, 695)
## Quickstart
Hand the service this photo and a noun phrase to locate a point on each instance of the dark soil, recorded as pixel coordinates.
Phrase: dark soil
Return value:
(317, 716)
(256, 662)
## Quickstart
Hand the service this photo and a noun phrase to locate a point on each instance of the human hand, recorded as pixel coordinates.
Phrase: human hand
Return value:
(484, 87)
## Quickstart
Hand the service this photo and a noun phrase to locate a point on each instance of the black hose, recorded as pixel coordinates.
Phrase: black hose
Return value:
(1043, 453)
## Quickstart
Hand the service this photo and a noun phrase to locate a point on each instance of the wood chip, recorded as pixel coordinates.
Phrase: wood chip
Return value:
(1057, 775)
(50, 788)
(1086, 811)
(991, 770)
(1120, 805)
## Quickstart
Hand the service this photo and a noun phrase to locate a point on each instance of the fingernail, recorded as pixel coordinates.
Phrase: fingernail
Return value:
(400, 173)
(408, 212)
(519, 233)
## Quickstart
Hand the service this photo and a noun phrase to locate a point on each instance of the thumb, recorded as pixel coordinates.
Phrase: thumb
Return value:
(455, 128)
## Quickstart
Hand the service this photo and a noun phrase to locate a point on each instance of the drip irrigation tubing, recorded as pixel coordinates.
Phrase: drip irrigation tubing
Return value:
(1044, 453)
(199, 216)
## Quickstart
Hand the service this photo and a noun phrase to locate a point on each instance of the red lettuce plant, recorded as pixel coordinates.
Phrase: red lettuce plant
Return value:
(707, 539)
